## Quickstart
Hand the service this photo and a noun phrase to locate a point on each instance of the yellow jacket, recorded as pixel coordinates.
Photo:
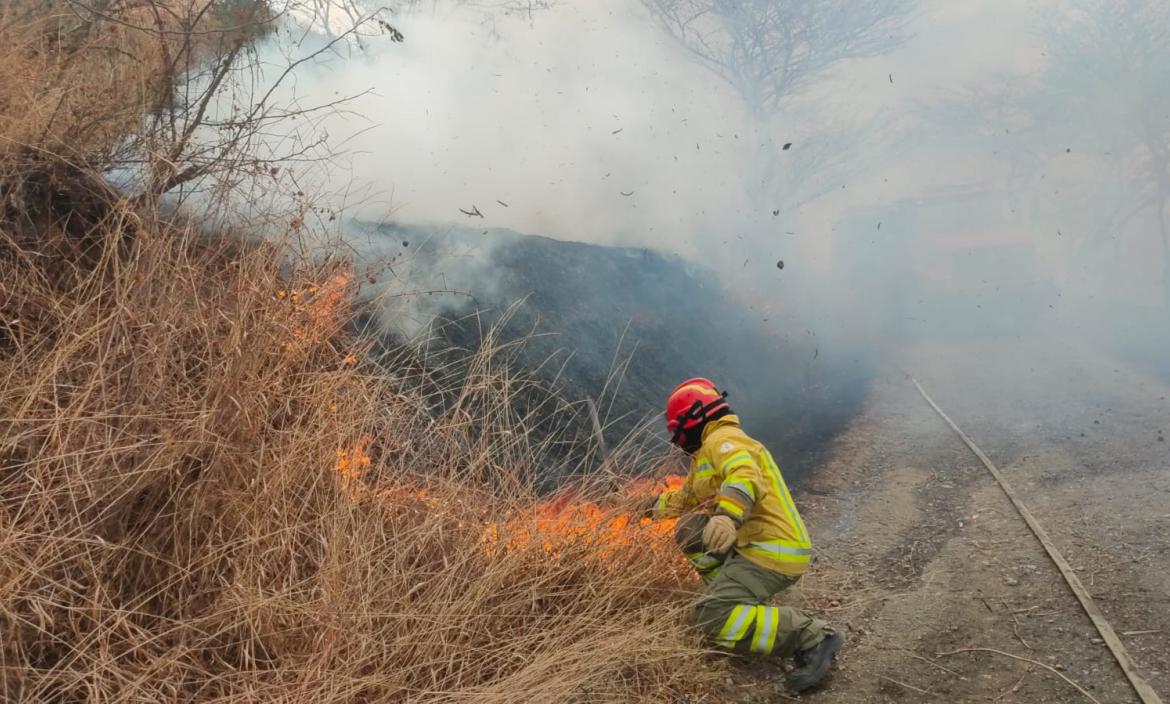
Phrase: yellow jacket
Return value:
(741, 477)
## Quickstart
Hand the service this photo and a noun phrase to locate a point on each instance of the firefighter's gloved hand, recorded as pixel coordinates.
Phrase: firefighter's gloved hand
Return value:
(719, 534)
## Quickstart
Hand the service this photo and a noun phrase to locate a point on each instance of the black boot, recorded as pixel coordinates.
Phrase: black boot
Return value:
(813, 664)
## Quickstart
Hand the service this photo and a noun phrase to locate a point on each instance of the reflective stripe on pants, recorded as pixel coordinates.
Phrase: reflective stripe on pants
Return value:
(767, 619)
(739, 622)
(705, 564)
(734, 612)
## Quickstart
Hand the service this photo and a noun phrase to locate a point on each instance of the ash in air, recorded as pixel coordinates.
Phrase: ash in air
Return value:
(856, 179)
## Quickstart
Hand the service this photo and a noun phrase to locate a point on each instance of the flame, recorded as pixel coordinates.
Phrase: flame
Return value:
(565, 523)
(558, 527)
(352, 463)
(317, 311)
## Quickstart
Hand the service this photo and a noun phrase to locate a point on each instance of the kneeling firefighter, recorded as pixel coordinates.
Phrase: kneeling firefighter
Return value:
(740, 529)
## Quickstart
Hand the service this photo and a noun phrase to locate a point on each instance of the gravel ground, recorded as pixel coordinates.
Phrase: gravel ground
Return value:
(927, 566)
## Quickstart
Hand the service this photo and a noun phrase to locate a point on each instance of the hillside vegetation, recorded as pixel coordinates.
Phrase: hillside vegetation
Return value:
(209, 492)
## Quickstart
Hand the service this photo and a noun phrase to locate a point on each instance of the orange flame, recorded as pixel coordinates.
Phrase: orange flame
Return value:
(317, 311)
(352, 463)
(563, 524)
(559, 527)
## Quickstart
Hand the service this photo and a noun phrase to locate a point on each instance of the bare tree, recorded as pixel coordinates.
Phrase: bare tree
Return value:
(770, 49)
(994, 118)
(205, 112)
(228, 127)
(234, 124)
(1105, 89)
(330, 16)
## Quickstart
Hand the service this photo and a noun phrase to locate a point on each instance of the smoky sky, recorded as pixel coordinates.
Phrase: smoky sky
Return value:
(947, 159)
(586, 122)
(560, 115)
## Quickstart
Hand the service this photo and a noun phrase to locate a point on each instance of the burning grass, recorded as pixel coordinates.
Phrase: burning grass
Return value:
(563, 522)
(210, 492)
(193, 508)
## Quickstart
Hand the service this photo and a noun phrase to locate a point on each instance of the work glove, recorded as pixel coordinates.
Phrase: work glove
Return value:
(719, 534)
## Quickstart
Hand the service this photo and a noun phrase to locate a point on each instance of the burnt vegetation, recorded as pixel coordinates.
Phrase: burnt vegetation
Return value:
(209, 490)
(622, 326)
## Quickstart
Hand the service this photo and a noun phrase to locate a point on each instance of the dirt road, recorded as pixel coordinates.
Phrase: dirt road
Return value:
(923, 560)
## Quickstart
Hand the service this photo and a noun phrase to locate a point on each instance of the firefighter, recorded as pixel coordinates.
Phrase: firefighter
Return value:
(739, 528)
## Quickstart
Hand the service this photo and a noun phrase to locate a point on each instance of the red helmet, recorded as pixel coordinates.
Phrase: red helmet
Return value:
(690, 404)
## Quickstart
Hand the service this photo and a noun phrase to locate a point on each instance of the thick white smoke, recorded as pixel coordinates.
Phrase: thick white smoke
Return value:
(587, 123)
(907, 191)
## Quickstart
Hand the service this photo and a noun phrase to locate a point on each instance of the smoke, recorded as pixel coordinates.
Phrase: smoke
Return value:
(945, 190)
(586, 123)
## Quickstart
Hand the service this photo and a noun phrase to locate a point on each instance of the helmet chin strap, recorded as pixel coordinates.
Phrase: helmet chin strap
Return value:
(691, 440)
(698, 412)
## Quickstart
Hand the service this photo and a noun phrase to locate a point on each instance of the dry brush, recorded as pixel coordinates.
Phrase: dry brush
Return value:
(207, 492)
(210, 491)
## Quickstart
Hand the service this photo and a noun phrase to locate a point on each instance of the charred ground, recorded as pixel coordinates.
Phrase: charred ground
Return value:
(624, 325)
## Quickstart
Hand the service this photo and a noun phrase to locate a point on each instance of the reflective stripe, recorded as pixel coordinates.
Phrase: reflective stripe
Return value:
(731, 506)
(766, 619)
(746, 488)
(802, 560)
(798, 522)
(782, 492)
(704, 470)
(779, 551)
(735, 628)
(737, 459)
(794, 515)
(779, 548)
(702, 561)
(660, 505)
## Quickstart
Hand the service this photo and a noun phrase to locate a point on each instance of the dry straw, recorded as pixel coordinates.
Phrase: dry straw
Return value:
(209, 491)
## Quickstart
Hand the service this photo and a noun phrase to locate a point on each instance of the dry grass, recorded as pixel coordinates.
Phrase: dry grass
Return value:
(116, 86)
(72, 84)
(173, 525)
(208, 489)
(81, 77)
